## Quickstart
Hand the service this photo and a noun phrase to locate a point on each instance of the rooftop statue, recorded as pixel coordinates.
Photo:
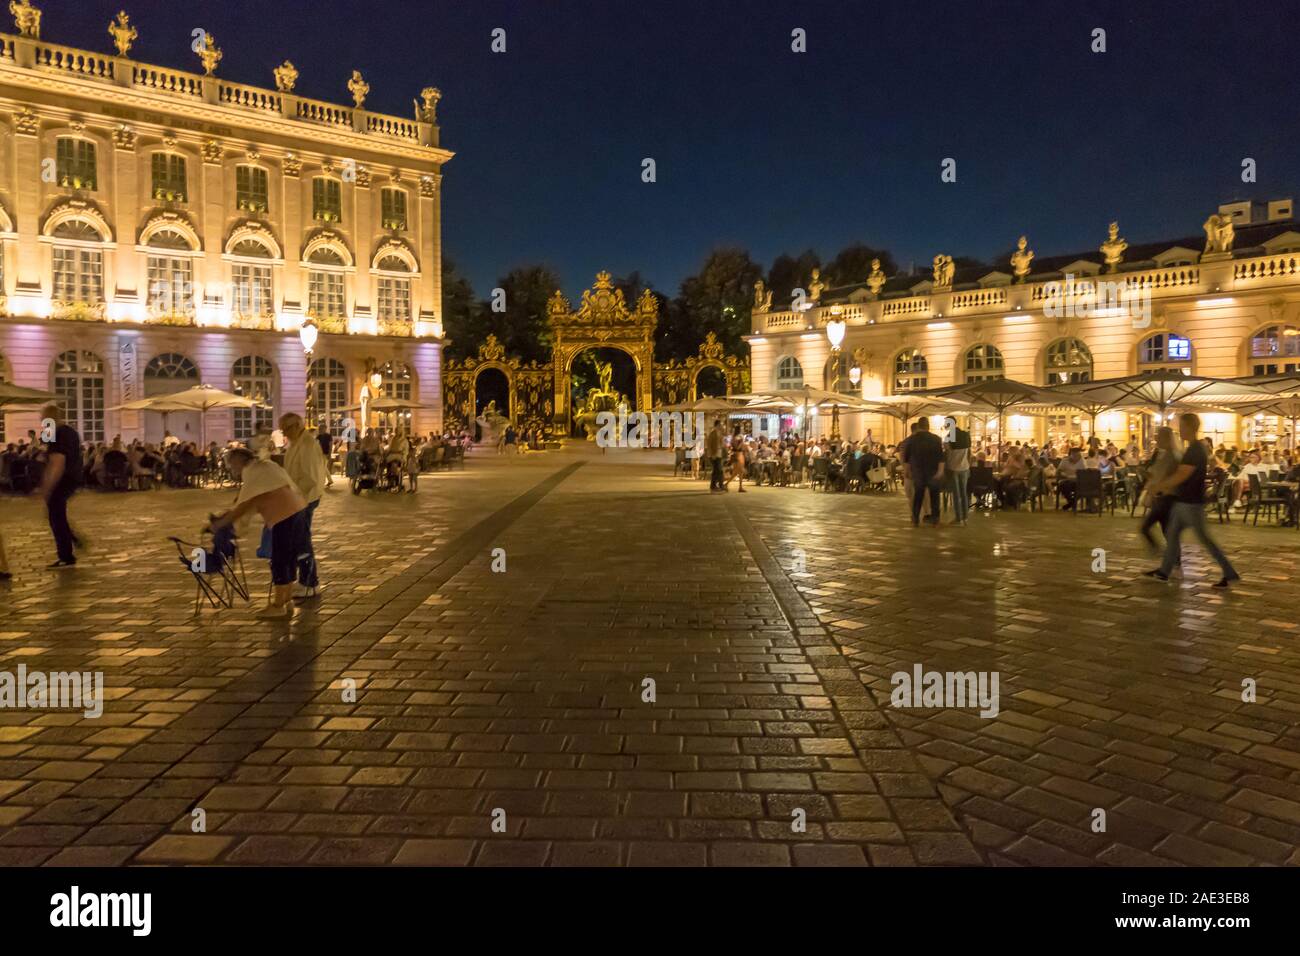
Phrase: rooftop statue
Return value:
(944, 269)
(762, 297)
(816, 286)
(1113, 248)
(123, 33)
(27, 18)
(1021, 258)
(359, 89)
(1219, 234)
(286, 77)
(875, 281)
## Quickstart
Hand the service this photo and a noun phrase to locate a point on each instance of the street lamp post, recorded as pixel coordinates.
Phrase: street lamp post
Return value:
(835, 329)
(307, 334)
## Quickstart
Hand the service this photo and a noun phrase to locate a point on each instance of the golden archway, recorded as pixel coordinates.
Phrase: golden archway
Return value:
(602, 321)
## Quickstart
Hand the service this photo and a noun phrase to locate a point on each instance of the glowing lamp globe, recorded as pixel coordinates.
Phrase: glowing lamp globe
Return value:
(835, 332)
(307, 335)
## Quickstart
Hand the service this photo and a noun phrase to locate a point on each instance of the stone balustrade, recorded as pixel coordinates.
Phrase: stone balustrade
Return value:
(24, 52)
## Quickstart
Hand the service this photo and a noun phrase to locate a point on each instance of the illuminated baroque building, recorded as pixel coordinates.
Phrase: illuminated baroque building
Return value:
(1224, 304)
(161, 228)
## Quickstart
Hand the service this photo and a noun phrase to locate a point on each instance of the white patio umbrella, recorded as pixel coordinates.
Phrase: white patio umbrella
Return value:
(12, 395)
(1160, 390)
(789, 399)
(994, 395)
(200, 398)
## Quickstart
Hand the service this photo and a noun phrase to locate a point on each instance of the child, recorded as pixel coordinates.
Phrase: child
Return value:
(267, 489)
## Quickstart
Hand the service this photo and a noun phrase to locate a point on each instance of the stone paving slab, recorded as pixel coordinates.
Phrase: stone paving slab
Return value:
(503, 717)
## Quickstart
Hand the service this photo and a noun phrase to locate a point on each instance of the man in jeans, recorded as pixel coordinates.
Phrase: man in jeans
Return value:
(1187, 484)
(713, 451)
(60, 480)
(305, 463)
(923, 454)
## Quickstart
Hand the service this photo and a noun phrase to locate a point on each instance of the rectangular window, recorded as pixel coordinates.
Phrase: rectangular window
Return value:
(325, 294)
(171, 286)
(78, 275)
(75, 163)
(251, 189)
(251, 290)
(82, 398)
(394, 298)
(394, 209)
(169, 178)
(326, 200)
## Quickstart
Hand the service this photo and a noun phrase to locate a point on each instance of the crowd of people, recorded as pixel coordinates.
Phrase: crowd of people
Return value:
(281, 476)
(1179, 470)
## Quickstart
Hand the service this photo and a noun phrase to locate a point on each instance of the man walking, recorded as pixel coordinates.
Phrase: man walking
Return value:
(713, 451)
(306, 467)
(923, 453)
(1187, 484)
(60, 480)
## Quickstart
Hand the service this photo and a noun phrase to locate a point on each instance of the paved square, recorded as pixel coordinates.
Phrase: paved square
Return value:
(503, 717)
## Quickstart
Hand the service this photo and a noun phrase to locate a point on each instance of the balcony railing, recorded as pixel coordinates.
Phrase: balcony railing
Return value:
(122, 72)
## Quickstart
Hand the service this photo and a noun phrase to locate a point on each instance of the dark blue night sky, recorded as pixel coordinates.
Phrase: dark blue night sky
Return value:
(774, 151)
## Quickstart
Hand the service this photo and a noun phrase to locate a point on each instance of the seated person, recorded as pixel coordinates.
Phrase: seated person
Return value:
(1066, 476)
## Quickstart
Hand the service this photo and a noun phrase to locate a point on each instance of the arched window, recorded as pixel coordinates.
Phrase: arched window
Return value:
(171, 278)
(789, 373)
(78, 265)
(911, 371)
(169, 372)
(252, 192)
(325, 289)
(251, 284)
(984, 362)
(1067, 360)
(1165, 351)
(78, 380)
(253, 377)
(1275, 349)
(835, 373)
(394, 290)
(397, 381)
(330, 381)
(74, 163)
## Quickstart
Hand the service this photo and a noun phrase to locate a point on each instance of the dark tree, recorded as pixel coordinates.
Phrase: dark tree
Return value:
(853, 265)
(521, 325)
(790, 272)
(717, 299)
(463, 320)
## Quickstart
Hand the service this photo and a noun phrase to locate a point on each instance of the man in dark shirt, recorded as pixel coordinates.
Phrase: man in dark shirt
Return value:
(60, 480)
(326, 441)
(923, 454)
(1187, 484)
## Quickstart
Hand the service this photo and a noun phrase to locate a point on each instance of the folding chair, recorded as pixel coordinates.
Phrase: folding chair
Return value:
(218, 572)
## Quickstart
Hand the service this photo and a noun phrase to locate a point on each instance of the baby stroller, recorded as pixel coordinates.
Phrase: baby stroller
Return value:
(364, 472)
(218, 570)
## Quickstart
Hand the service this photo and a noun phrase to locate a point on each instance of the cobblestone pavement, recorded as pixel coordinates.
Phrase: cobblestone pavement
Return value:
(502, 717)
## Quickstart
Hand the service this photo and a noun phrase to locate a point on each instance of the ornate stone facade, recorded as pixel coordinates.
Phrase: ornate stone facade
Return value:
(172, 210)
